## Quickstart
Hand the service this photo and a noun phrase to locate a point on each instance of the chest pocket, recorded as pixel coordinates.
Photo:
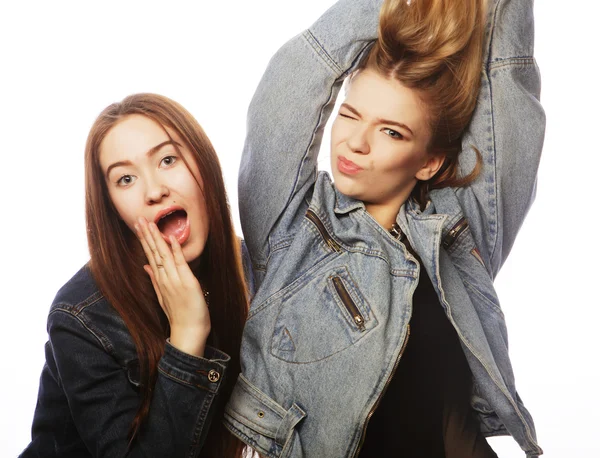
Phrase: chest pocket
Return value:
(323, 315)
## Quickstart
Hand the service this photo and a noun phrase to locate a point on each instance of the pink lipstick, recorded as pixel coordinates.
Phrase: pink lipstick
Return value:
(347, 167)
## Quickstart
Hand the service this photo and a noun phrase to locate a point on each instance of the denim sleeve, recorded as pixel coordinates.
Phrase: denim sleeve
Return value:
(85, 393)
(508, 129)
(287, 116)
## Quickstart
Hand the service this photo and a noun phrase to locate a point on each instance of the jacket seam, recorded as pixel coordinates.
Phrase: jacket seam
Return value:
(197, 434)
(493, 133)
(101, 338)
(185, 382)
(247, 439)
(80, 306)
(520, 61)
(290, 287)
(322, 53)
(502, 389)
(495, 307)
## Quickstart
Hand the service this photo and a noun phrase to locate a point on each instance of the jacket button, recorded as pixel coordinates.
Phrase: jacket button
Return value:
(213, 376)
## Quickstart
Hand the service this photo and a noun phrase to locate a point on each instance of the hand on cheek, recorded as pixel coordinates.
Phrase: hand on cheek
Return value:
(177, 288)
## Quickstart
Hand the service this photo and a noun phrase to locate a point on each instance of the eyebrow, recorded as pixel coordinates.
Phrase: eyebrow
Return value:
(150, 152)
(379, 120)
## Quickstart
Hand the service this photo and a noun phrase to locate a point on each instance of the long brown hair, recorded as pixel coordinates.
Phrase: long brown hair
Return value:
(435, 47)
(117, 259)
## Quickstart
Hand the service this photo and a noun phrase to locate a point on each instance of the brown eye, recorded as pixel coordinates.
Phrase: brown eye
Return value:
(126, 180)
(168, 160)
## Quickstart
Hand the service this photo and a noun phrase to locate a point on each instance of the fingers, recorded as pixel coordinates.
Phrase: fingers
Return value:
(177, 252)
(157, 251)
(148, 270)
(185, 273)
(143, 238)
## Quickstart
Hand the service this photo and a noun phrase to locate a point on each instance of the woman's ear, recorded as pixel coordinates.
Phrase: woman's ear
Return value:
(431, 167)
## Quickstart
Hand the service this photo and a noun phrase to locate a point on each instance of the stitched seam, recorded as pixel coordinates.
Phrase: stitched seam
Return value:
(76, 309)
(514, 62)
(502, 389)
(456, 244)
(179, 379)
(318, 48)
(472, 287)
(291, 287)
(307, 36)
(101, 338)
(499, 385)
(251, 424)
(248, 440)
(494, 243)
(200, 419)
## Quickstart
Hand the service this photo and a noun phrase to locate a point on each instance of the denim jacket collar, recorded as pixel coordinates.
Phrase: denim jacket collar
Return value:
(345, 204)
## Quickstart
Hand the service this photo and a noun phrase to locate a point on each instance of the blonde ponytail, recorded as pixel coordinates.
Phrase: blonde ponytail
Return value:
(435, 47)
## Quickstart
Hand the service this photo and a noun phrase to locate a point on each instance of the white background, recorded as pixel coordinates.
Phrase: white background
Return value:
(61, 63)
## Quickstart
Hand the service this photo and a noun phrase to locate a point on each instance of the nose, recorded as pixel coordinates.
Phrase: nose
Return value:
(358, 140)
(155, 191)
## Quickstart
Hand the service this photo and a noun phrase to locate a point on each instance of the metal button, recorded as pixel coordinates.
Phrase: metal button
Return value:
(213, 376)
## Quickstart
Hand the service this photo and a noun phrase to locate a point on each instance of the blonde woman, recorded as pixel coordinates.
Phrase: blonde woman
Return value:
(375, 329)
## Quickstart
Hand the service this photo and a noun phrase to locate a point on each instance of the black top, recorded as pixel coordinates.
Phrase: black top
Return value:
(427, 399)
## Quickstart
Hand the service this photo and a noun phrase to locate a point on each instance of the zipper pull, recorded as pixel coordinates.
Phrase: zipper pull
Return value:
(453, 233)
(396, 232)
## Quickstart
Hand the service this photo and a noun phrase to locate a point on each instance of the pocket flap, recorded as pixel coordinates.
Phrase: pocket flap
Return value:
(258, 412)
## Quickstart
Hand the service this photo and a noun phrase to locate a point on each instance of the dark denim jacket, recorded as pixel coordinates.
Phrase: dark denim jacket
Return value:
(88, 393)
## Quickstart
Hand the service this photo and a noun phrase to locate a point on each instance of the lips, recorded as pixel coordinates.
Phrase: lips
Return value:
(173, 221)
(347, 167)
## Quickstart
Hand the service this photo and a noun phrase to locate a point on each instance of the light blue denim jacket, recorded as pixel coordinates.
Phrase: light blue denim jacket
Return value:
(330, 318)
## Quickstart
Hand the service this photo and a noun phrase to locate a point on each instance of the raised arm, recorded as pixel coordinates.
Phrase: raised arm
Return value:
(102, 399)
(508, 129)
(287, 116)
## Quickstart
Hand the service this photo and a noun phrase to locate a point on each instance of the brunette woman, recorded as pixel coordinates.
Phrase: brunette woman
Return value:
(375, 330)
(144, 340)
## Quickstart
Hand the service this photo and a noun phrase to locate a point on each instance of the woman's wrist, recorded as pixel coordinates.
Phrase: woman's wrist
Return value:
(190, 340)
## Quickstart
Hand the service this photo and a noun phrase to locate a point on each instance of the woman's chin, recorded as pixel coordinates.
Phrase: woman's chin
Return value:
(192, 255)
(348, 187)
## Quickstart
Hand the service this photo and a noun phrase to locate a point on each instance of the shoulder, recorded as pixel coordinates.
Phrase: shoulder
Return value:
(78, 293)
(81, 311)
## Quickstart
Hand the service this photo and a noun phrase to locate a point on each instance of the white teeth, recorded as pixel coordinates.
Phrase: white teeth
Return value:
(167, 214)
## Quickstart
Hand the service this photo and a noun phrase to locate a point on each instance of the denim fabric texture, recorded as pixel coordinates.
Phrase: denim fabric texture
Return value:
(88, 393)
(334, 289)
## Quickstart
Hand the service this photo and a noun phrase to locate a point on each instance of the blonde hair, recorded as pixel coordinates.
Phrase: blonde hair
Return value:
(436, 48)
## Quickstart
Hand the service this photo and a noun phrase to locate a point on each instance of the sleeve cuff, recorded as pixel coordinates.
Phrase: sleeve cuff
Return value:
(205, 373)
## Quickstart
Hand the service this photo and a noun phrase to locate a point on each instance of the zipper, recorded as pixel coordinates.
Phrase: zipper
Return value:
(349, 303)
(364, 430)
(460, 227)
(312, 216)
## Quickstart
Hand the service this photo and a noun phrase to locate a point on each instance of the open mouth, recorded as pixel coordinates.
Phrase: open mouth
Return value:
(174, 224)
